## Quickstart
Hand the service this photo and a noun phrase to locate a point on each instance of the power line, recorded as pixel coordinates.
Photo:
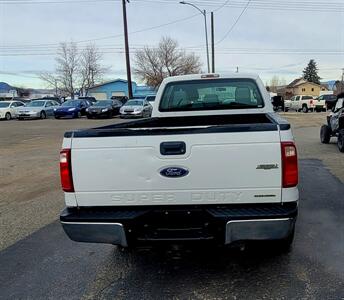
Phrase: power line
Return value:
(221, 6)
(234, 24)
(117, 35)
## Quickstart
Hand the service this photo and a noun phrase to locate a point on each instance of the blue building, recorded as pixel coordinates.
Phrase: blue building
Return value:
(119, 87)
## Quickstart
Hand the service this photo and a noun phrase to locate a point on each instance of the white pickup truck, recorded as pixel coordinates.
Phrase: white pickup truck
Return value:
(214, 163)
(301, 103)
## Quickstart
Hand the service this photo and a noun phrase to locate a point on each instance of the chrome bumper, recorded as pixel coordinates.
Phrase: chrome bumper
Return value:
(261, 229)
(109, 233)
(236, 230)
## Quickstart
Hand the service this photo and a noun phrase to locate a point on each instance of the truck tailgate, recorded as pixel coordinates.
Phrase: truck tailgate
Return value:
(224, 168)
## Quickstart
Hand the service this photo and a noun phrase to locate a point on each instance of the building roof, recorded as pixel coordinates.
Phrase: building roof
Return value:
(300, 81)
(111, 81)
(306, 82)
(295, 82)
(5, 87)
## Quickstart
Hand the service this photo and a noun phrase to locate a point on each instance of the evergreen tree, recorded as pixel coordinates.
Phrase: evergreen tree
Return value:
(310, 73)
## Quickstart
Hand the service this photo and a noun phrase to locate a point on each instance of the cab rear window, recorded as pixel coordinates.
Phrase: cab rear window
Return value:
(211, 94)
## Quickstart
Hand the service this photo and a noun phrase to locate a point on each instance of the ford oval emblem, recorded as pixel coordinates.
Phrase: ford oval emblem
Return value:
(174, 172)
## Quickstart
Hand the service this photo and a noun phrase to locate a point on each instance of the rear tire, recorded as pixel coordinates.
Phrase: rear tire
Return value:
(340, 141)
(8, 116)
(43, 115)
(305, 109)
(285, 245)
(56, 117)
(325, 134)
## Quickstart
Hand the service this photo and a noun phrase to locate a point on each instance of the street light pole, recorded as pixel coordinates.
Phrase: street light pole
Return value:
(127, 57)
(204, 13)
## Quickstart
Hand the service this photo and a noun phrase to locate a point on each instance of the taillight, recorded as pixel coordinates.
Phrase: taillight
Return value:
(311, 102)
(66, 170)
(290, 174)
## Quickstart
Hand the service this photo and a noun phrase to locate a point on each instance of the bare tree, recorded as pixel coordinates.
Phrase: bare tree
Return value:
(75, 70)
(152, 65)
(52, 81)
(67, 67)
(90, 70)
(275, 82)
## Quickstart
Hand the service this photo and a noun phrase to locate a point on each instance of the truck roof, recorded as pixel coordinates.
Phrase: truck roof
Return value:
(211, 75)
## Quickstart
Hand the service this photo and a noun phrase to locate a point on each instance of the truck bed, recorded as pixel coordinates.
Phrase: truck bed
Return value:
(184, 125)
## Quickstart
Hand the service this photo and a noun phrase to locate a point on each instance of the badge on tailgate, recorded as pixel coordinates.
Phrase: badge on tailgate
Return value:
(174, 172)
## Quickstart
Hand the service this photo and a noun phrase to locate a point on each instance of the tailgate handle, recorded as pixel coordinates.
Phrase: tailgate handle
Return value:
(172, 148)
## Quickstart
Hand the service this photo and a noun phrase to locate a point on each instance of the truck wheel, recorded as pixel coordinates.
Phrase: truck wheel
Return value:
(325, 134)
(305, 109)
(286, 109)
(340, 141)
(285, 245)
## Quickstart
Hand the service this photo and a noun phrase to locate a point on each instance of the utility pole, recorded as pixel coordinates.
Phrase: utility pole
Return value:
(127, 57)
(212, 43)
(206, 38)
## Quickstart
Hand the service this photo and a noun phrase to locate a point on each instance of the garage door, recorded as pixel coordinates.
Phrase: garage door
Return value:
(99, 96)
(118, 93)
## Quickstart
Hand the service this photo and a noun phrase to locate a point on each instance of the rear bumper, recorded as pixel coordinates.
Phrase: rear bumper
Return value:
(135, 225)
(131, 115)
(108, 233)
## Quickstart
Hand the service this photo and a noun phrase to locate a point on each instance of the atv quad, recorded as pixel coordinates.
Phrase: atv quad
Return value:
(335, 124)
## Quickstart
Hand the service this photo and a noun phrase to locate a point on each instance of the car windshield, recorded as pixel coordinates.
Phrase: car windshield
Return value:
(134, 103)
(211, 94)
(4, 104)
(36, 104)
(72, 103)
(150, 98)
(102, 103)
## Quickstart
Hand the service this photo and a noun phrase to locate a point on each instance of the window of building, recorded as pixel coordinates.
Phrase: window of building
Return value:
(303, 89)
(312, 89)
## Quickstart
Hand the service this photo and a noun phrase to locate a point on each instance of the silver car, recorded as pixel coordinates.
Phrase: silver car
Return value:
(37, 109)
(136, 108)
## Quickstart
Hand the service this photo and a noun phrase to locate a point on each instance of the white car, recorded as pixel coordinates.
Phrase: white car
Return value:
(8, 109)
(214, 163)
(150, 99)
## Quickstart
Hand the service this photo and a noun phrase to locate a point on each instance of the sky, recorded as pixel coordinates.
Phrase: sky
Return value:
(268, 37)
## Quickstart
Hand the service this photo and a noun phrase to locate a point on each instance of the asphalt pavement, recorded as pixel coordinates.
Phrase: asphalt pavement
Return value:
(47, 265)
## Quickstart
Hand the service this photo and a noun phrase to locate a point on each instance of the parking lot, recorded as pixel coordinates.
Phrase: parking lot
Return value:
(38, 261)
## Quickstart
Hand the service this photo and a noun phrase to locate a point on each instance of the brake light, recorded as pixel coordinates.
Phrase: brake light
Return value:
(208, 76)
(311, 102)
(290, 174)
(66, 171)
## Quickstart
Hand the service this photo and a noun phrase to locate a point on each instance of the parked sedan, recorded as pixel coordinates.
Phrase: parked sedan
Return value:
(138, 108)
(8, 109)
(37, 109)
(72, 109)
(104, 108)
